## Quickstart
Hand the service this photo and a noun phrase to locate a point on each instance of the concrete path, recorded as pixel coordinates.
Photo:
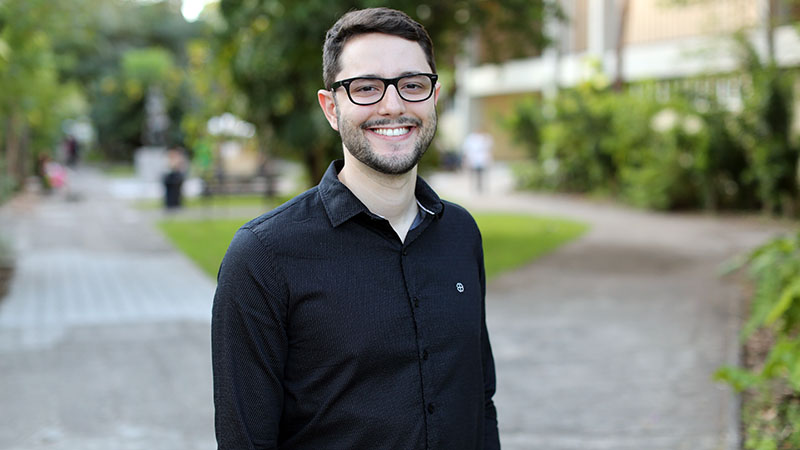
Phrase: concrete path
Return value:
(104, 336)
(608, 343)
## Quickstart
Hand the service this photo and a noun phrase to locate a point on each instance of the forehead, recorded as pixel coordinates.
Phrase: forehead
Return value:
(381, 55)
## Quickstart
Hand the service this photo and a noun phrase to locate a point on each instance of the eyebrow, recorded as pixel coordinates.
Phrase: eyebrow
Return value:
(403, 74)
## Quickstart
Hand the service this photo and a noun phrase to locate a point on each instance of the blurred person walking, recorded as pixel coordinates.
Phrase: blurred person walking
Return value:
(478, 157)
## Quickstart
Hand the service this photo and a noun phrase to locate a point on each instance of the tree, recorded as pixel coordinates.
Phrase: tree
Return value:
(103, 35)
(278, 51)
(32, 93)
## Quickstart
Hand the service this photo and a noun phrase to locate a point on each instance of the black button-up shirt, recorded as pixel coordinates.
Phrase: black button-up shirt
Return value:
(328, 332)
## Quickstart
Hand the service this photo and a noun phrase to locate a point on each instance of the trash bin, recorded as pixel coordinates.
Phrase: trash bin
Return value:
(173, 181)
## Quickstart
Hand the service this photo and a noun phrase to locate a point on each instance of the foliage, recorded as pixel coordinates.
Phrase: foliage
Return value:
(276, 58)
(765, 131)
(33, 96)
(134, 46)
(208, 77)
(147, 66)
(88, 59)
(509, 241)
(7, 184)
(690, 151)
(773, 416)
(592, 140)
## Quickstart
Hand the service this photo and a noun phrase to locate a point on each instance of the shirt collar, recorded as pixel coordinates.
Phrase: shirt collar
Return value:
(341, 204)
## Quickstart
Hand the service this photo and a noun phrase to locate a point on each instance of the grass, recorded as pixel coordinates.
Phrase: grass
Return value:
(120, 171)
(203, 241)
(509, 240)
(513, 240)
(219, 201)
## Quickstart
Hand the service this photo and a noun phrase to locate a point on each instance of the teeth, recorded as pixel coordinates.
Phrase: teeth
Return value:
(391, 131)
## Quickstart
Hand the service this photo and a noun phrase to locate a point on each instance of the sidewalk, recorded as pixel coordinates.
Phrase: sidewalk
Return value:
(608, 343)
(611, 342)
(104, 336)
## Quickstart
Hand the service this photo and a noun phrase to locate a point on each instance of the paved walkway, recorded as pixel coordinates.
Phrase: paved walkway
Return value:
(608, 343)
(104, 337)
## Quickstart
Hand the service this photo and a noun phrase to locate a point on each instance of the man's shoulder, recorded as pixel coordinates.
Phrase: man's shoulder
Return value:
(281, 222)
(457, 219)
(457, 213)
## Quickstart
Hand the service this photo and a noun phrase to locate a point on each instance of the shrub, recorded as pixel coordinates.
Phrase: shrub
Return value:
(690, 152)
(772, 413)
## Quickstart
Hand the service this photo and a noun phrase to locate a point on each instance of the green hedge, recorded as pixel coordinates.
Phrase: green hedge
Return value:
(688, 152)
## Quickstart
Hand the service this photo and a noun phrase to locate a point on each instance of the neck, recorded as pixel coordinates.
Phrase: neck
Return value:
(389, 196)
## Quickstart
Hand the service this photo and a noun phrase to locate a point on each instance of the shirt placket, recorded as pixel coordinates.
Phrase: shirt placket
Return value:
(411, 258)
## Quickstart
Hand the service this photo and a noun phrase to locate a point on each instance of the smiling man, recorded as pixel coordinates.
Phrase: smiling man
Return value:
(352, 317)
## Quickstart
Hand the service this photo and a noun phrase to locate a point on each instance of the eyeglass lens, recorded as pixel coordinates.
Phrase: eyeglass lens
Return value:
(411, 88)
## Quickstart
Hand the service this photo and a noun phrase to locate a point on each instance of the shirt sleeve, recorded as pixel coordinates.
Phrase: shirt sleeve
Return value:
(491, 436)
(248, 346)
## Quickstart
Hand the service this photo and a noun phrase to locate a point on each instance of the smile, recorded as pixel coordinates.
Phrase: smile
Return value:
(391, 131)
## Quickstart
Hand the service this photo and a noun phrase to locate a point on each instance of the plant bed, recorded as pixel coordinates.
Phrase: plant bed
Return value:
(769, 379)
(770, 409)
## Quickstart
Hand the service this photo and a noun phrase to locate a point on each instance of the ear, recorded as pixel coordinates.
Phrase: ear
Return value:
(436, 93)
(328, 105)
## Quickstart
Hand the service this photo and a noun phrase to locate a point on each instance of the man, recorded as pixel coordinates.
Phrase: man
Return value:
(352, 317)
(478, 155)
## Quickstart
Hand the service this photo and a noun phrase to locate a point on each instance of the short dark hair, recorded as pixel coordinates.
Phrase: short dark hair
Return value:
(372, 20)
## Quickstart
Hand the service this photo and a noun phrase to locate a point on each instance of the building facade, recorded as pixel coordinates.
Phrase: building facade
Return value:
(629, 40)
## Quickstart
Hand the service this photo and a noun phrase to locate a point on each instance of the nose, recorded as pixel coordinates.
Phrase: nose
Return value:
(391, 104)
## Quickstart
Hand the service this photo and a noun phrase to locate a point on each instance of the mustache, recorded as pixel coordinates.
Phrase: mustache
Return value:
(386, 122)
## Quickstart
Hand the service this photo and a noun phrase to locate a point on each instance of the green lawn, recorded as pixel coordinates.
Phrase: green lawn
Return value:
(513, 240)
(509, 240)
(120, 171)
(218, 201)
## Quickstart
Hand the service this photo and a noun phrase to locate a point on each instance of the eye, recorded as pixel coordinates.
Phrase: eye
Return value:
(366, 86)
(415, 84)
(364, 89)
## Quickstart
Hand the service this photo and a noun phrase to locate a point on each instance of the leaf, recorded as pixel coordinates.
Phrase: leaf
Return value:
(794, 374)
(739, 379)
(787, 296)
(732, 265)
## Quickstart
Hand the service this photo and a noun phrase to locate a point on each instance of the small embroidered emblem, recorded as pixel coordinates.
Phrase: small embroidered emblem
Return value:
(460, 287)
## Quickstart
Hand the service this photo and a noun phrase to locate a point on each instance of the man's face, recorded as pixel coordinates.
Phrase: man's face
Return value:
(392, 135)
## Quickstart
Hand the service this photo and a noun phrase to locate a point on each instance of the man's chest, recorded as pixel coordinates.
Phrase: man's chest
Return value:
(376, 301)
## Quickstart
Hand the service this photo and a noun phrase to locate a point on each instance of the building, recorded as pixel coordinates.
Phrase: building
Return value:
(637, 40)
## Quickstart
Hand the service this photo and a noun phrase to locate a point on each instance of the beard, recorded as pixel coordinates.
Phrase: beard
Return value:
(397, 163)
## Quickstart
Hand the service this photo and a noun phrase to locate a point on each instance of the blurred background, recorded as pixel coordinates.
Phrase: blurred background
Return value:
(130, 129)
(557, 85)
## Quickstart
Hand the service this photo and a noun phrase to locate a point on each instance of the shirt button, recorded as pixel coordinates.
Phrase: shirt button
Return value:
(431, 408)
(405, 252)
(425, 355)
(416, 302)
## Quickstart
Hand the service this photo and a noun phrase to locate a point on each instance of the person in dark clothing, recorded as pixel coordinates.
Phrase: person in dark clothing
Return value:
(173, 179)
(353, 316)
(73, 150)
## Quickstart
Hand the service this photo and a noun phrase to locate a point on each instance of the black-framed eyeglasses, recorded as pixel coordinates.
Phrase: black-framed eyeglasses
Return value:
(416, 87)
